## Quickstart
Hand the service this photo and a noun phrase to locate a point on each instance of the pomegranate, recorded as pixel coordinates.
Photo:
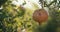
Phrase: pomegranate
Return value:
(40, 15)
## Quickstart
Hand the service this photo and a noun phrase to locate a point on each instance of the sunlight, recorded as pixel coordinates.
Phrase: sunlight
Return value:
(29, 3)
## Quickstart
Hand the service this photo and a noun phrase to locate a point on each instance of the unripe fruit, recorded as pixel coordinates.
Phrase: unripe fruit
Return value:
(40, 15)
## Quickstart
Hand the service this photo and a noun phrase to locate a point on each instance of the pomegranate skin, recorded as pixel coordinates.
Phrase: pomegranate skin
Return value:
(40, 15)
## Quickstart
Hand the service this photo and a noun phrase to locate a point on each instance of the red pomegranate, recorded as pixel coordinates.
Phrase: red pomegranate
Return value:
(40, 15)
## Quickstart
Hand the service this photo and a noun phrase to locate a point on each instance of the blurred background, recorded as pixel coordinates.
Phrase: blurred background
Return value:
(16, 15)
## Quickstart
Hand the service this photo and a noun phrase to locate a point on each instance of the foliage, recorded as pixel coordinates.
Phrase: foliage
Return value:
(2, 2)
(15, 20)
